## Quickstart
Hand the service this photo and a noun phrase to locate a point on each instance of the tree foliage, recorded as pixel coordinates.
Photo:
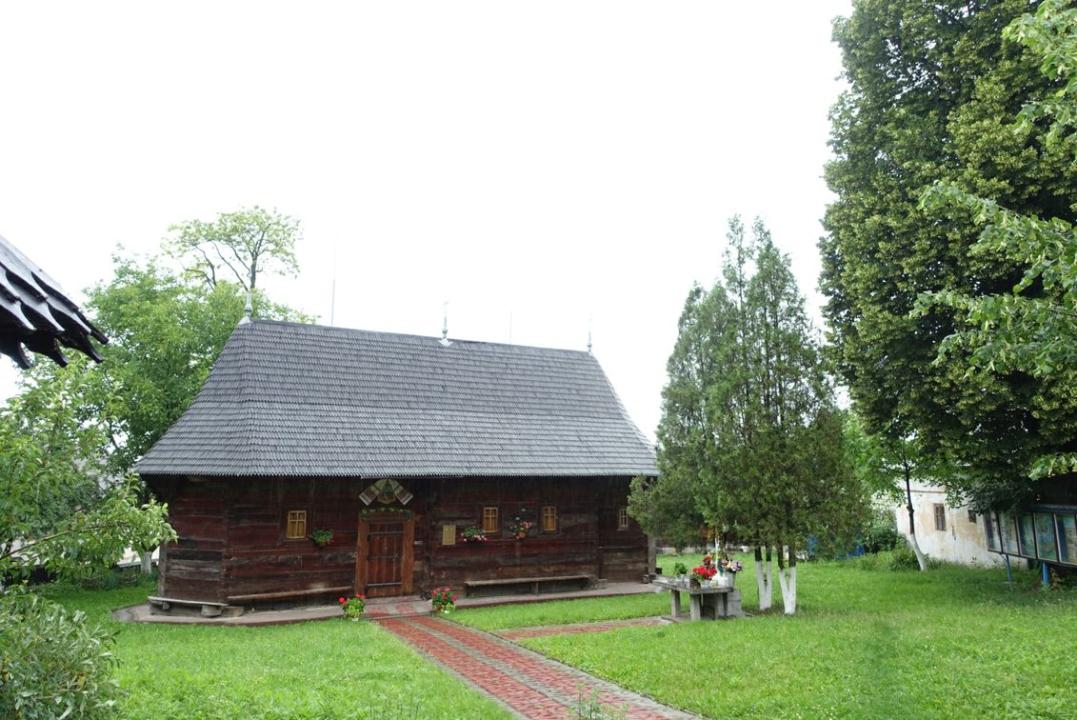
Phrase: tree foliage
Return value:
(60, 506)
(934, 94)
(52, 663)
(1032, 328)
(51, 456)
(749, 429)
(237, 245)
(667, 506)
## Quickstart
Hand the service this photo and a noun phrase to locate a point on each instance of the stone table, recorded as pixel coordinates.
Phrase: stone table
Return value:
(709, 602)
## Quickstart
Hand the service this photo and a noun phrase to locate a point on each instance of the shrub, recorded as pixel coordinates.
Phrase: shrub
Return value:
(881, 536)
(52, 664)
(903, 558)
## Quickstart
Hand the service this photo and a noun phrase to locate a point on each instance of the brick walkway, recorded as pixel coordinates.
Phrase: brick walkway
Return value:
(381, 608)
(579, 628)
(529, 684)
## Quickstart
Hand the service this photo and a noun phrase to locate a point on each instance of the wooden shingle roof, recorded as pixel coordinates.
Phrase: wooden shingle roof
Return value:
(35, 313)
(287, 399)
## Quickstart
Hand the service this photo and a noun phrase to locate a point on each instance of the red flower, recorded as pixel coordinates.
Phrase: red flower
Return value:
(341, 600)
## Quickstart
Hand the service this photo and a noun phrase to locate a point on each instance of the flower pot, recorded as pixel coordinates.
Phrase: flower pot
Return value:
(694, 584)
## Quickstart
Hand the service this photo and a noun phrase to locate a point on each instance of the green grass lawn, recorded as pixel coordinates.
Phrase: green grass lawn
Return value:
(866, 643)
(951, 643)
(323, 670)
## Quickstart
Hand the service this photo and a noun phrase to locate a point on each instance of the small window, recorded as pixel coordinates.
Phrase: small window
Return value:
(297, 525)
(490, 523)
(622, 519)
(549, 519)
(940, 516)
(972, 516)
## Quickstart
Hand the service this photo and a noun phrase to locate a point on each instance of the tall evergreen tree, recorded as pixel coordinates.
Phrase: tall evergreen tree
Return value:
(933, 94)
(666, 506)
(749, 423)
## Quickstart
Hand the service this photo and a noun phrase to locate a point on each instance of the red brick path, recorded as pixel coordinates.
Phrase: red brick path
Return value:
(379, 609)
(530, 684)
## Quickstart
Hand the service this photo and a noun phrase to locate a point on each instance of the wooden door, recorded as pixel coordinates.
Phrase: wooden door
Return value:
(384, 558)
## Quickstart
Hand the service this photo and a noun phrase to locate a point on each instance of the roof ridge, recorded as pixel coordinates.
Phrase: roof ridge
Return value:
(390, 334)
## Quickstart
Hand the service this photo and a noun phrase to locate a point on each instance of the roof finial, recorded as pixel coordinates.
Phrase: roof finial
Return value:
(589, 322)
(445, 341)
(248, 309)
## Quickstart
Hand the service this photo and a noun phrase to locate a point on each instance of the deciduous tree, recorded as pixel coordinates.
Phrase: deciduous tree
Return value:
(934, 91)
(237, 245)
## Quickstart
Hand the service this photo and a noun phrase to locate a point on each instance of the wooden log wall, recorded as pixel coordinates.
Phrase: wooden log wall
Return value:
(232, 533)
(191, 568)
(587, 540)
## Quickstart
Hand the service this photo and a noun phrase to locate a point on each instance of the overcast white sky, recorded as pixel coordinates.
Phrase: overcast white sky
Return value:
(535, 164)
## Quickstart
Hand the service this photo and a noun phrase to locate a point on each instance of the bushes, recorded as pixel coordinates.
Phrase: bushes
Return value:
(903, 558)
(52, 664)
(882, 536)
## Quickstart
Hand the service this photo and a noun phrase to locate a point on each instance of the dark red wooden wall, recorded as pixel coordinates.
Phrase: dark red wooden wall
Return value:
(232, 533)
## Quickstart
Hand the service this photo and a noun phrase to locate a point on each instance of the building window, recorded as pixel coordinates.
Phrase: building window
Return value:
(989, 531)
(549, 519)
(297, 525)
(940, 517)
(622, 519)
(972, 516)
(490, 522)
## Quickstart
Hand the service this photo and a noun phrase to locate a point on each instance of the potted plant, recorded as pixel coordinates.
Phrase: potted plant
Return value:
(321, 537)
(519, 528)
(680, 572)
(444, 600)
(353, 607)
(473, 534)
(728, 570)
(702, 574)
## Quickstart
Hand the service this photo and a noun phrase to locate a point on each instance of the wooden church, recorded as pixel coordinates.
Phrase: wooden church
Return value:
(318, 461)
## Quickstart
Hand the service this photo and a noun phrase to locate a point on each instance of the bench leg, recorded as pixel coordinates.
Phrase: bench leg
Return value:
(697, 610)
(675, 603)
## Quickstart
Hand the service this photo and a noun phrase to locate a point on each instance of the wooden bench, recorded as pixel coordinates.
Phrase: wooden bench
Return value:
(534, 582)
(255, 597)
(209, 608)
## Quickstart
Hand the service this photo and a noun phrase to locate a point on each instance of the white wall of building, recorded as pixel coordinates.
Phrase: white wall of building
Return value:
(962, 540)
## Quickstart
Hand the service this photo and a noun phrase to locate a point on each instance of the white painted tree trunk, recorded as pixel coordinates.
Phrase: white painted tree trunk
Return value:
(764, 582)
(146, 559)
(921, 559)
(787, 578)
